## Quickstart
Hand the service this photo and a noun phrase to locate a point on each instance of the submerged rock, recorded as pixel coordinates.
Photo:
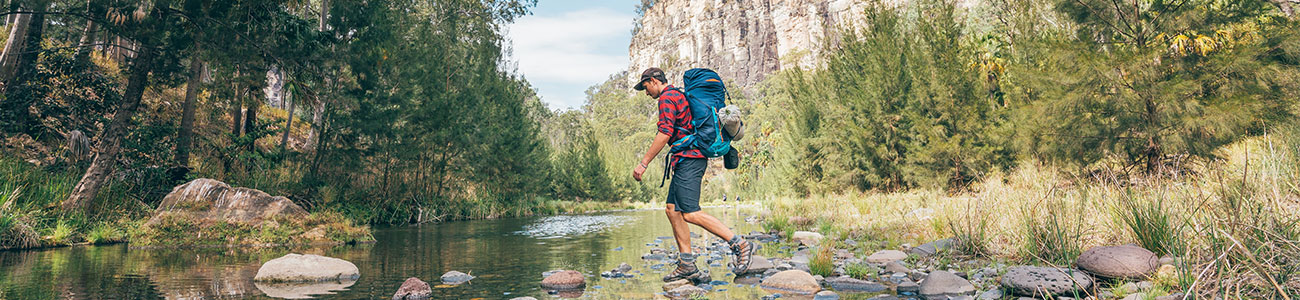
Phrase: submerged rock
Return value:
(306, 268)
(1125, 262)
(564, 280)
(413, 289)
(455, 277)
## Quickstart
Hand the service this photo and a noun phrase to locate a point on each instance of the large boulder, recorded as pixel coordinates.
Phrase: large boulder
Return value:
(1043, 281)
(413, 289)
(1123, 262)
(306, 268)
(208, 200)
(564, 280)
(943, 284)
(792, 281)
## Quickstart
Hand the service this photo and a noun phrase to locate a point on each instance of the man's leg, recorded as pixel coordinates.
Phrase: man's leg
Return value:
(708, 222)
(681, 231)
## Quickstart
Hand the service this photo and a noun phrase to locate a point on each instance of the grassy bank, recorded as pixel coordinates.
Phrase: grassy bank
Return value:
(30, 216)
(1232, 222)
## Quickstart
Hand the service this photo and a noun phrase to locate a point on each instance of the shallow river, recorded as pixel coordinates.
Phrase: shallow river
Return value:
(507, 255)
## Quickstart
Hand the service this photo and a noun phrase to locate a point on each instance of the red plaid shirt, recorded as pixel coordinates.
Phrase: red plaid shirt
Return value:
(674, 112)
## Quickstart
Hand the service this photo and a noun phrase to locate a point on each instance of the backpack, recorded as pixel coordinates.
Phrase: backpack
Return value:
(705, 94)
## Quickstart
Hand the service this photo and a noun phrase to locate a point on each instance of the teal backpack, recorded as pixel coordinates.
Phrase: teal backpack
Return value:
(705, 94)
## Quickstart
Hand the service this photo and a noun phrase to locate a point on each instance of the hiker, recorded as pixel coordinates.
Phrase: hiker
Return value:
(688, 168)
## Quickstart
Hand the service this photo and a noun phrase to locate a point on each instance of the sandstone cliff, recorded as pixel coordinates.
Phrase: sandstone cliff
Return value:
(744, 40)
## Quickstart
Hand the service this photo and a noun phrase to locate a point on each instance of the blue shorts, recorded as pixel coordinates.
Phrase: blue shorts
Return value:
(684, 191)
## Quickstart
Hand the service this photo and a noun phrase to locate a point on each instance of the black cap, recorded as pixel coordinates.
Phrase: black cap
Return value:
(652, 72)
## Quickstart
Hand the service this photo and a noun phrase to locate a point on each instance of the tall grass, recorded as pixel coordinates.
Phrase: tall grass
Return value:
(1233, 224)
(821, 263)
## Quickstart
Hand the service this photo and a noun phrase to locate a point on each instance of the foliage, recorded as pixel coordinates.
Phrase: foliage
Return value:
(895, 106)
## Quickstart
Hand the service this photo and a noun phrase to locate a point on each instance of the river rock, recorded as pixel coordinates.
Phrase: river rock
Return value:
(932, 248)
(671, 285)
(792, 281)
(564, 280)
(685, 291)
(413, 289)
(826, 295)
(908, 287)
(306, 268)
(1044, 281)
(623, 268)
(849, 284)
(807, 238)
(209, 200)
(523, 298)
(896, 267)
(940, 284)
(1124, 262)
(758, 265)
(455, 277)
(885, 256)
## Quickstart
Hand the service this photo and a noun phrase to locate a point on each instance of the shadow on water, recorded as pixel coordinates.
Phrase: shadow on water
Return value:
(508, 256)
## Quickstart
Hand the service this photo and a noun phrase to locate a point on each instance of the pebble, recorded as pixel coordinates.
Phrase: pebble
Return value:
(826, 295)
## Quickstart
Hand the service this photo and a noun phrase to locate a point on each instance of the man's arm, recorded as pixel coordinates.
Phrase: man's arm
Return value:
(657, 145)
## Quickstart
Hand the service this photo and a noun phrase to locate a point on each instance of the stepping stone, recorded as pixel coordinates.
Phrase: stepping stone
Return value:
(455, 277)
(676, 284)
(1121, 262)
(413, 289)
(793, 281)
(564, 280)
(1044, 281)
(685, 292)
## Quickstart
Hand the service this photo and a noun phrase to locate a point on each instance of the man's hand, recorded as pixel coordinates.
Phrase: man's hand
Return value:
(636, 172)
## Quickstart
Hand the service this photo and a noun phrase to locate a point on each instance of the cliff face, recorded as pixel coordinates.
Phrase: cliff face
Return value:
(744, 40)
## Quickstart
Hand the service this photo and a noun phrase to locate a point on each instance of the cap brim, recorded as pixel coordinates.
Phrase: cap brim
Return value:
(640, 86)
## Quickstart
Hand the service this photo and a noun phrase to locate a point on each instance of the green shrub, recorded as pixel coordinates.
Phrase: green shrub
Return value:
(105, 233)
(862, 271)
(822, 262)
(1052, 234)
(1151, 225)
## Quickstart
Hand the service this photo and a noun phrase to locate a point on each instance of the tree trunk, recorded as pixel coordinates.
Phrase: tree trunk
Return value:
(18, 107)
(87, 38)
(236, 112)
(288, 123)
(111, 141)
(250, 121)
(318, 108)
(14, 46)
(185, 136)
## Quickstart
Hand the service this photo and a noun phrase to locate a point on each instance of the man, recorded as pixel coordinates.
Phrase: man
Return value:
(688, 172)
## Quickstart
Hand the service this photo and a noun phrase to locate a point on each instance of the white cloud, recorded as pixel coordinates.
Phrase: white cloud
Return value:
(563, 55)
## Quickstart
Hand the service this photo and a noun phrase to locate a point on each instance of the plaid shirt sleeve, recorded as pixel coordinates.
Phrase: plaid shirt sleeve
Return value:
(670, 110)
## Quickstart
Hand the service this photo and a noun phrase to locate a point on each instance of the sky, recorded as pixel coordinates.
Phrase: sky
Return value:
(566, 46)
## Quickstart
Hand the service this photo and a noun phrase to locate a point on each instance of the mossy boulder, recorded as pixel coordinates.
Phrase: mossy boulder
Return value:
(210, 212)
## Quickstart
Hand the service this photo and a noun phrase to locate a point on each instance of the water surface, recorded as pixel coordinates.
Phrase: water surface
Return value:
(507, 255)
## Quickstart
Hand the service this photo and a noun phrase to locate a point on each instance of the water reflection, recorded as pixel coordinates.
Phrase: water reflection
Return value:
(508, 256)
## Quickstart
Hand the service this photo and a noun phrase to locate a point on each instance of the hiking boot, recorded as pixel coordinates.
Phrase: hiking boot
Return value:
(685, 268)
(744, 254)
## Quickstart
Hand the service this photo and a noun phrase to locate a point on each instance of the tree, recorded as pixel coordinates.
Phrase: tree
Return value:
(1155, 84)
